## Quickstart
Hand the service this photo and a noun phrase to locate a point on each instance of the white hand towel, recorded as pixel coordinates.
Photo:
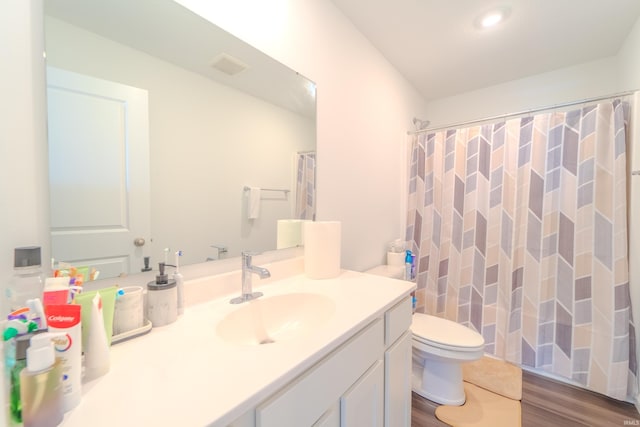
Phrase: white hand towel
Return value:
(253, 203)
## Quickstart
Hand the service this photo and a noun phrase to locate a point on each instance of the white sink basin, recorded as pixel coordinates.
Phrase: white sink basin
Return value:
(273, 319)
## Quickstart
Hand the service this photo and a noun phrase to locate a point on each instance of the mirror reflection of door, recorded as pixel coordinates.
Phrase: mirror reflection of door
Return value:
(98, 172)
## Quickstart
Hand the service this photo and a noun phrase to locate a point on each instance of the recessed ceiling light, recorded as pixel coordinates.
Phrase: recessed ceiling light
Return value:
(492, 18)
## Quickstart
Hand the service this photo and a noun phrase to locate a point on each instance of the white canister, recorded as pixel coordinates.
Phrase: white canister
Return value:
(129, 310)
(162, 303)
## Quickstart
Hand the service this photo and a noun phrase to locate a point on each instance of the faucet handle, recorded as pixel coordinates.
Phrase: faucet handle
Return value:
(246, 257)
(249, 254)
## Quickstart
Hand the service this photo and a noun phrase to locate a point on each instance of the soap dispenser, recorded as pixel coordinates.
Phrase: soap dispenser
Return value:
(41, 384)
(162, 299)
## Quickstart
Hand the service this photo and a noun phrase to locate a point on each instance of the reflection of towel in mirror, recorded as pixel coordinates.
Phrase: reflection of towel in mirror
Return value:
(253, 203)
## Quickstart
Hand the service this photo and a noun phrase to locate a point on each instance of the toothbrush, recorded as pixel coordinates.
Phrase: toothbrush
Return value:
(178, 255)
(179, 283)
(166, 253)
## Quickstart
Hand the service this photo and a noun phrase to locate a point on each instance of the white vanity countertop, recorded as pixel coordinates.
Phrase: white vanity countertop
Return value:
(183, 374)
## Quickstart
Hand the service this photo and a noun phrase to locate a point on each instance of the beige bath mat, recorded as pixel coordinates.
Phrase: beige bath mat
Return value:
(493, 389)
(494, 375)
(482, 409)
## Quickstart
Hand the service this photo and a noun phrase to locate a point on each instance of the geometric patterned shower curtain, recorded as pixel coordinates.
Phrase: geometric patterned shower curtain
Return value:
(305, 203)
(520, 231)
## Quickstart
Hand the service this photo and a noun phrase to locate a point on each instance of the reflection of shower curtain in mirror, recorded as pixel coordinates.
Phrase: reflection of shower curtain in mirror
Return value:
(521, 233)
(306, 186)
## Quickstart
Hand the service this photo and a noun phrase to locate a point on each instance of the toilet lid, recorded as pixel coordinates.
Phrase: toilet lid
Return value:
(438, 331)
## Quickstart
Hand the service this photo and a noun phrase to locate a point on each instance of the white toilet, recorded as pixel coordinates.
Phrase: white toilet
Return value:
(440, 346)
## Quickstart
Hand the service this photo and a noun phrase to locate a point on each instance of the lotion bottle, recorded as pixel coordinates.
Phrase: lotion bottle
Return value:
(41, 384)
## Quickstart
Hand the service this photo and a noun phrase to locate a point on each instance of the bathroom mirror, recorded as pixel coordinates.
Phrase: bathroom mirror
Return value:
(215, 117)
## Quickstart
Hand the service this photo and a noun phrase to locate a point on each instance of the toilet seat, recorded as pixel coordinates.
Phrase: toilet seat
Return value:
(445, 334)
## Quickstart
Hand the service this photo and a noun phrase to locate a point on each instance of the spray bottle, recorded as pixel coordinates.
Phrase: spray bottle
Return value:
(408, 263)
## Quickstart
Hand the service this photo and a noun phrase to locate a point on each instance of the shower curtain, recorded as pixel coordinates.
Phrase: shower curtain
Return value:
(305, 207)
(520, 231)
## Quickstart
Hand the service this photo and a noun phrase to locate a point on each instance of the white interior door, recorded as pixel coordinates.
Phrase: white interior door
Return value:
(98, 172)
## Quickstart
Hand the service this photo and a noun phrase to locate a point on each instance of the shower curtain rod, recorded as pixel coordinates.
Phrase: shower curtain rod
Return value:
(522, 113)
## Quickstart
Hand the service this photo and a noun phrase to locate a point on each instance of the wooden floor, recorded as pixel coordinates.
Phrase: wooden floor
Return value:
(548, 403)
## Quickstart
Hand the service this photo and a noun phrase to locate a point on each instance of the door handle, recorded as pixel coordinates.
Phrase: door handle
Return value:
(139, 241)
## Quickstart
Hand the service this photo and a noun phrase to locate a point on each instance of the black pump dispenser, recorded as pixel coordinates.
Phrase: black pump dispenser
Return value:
(162, 278)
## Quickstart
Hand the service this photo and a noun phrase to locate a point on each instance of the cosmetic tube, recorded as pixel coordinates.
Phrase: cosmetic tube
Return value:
(96, 355)
(65, 319)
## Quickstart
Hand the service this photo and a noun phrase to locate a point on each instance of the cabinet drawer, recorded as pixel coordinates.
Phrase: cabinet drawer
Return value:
(304, 401)
(397, 320)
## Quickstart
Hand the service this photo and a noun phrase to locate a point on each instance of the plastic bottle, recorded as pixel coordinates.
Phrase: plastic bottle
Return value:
(6, 360)
(28, 279)
(413, 266)
(41, 384)
(15, 401)
(408, 262)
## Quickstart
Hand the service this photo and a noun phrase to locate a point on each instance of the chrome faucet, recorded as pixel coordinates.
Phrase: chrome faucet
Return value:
(247, 271)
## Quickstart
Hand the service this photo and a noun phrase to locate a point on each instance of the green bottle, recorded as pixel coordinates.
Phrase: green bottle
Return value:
(15, 406)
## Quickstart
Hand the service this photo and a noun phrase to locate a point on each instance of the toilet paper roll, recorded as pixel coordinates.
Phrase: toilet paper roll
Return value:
(290, 233)
(395, 258)
(322, 249)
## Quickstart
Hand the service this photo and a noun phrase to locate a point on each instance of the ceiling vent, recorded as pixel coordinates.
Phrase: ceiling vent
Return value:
(228, 64)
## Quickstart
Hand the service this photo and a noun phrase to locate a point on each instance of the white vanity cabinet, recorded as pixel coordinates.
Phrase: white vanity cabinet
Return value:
(397, 365)
(365, 382)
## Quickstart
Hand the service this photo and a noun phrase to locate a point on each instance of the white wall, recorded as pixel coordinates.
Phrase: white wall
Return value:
(207, 141)
(569, 84)
(629, 60)
(364, 111)
(629, 77)
(24, 212)
(603, 77)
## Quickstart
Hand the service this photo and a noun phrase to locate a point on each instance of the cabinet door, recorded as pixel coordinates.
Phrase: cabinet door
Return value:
(304, 401)
(397, 378)
(362, 404)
